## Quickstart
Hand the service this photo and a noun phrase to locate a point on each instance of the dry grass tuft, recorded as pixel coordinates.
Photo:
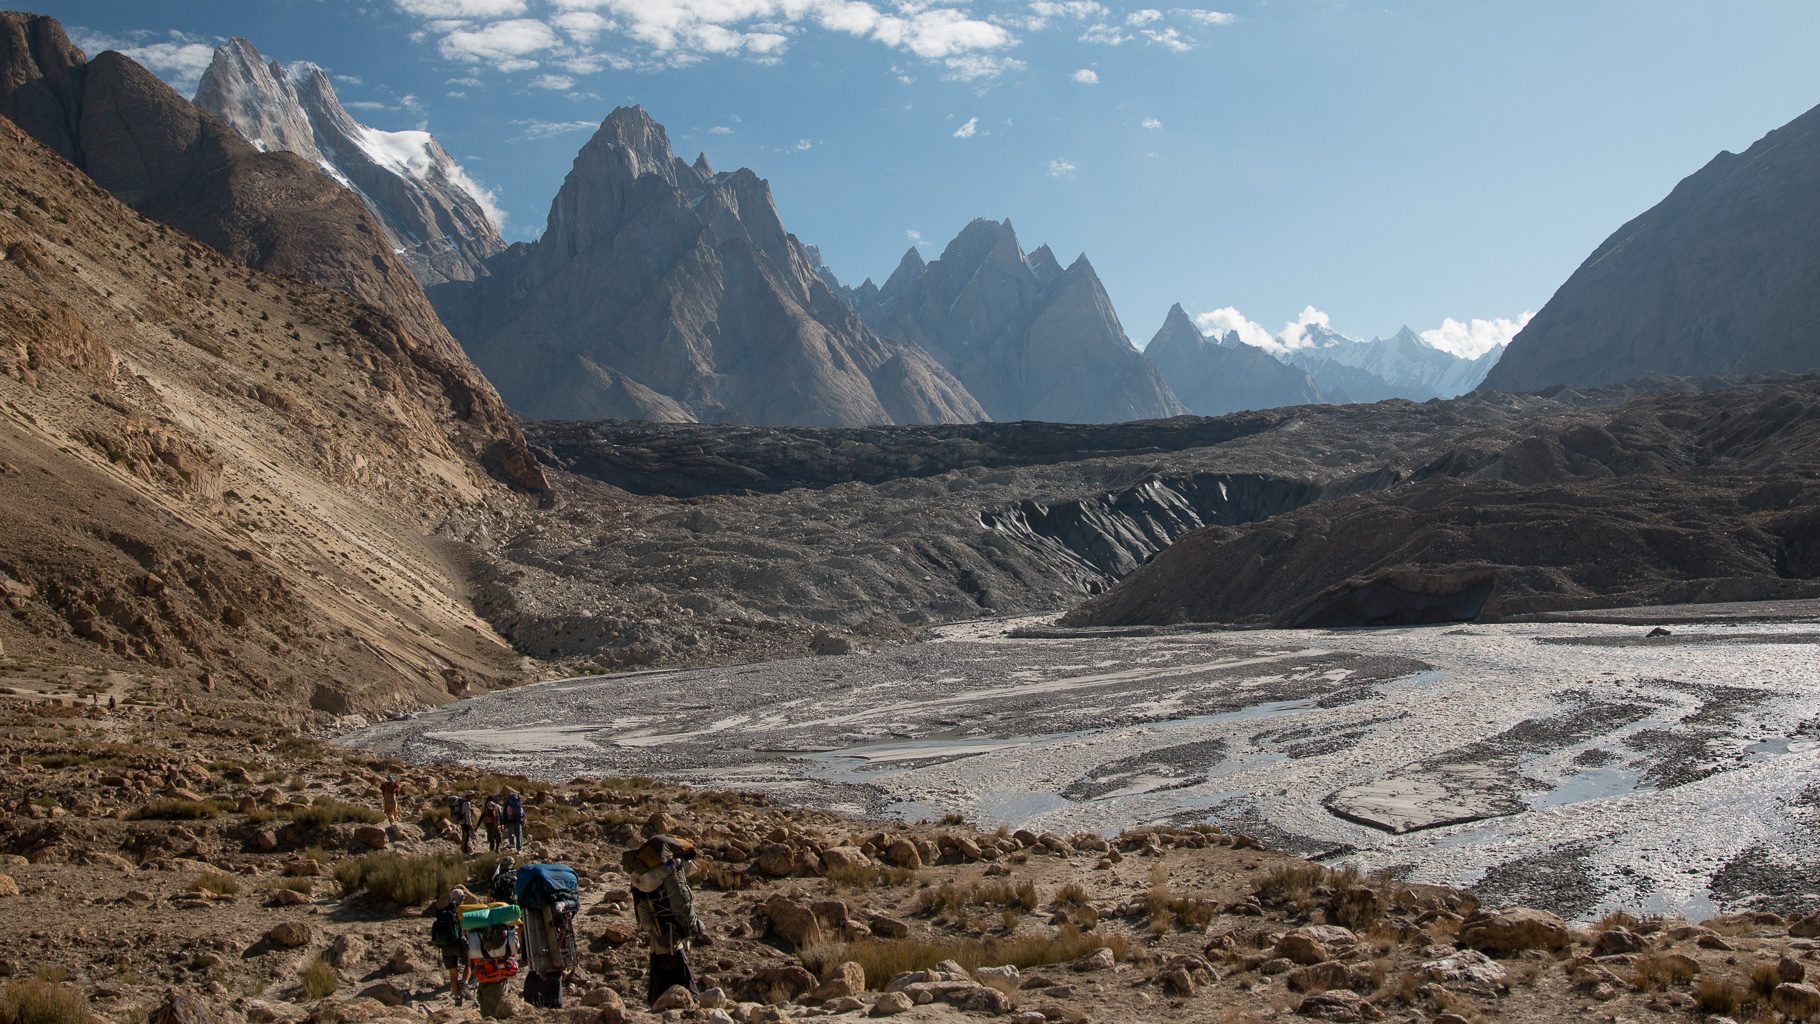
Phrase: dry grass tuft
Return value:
(40, 1001)
(715, 875)
(320, 980)
(1719, 996)
(326, 811)
(215, 882)
(185, 810)
(861, 878)
(884, 959)
(405, 881)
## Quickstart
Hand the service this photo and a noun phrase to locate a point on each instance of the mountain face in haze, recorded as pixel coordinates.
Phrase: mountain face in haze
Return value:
(1030, 340)
(155, 151)
(661, 290)
(1400, 366)
(433, 214)
(1211, 379)
(1722, 276)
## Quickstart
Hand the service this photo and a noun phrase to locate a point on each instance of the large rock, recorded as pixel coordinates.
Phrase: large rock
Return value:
(775, 984)
(847, 979)
(1028, 339)
(289, 934)
(660, 290)
(1722, 276)
(1515, 930)
(904, 854)
(1341, 1006)
(843, 857)
(793, 922)
(777, 860)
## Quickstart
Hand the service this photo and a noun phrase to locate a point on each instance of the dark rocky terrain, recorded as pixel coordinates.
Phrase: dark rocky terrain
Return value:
(1211, 379)
(1665, 499)
(663, 291)
(1029, 339)
(1722, 276)
(417, 193)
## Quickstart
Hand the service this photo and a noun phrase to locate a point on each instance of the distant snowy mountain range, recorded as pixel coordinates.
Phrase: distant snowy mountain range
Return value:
(1048, 345)
(440, 223)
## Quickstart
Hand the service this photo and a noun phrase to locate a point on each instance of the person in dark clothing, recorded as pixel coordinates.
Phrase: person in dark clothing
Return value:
(462, 810)
(489, 816)
(666, 910)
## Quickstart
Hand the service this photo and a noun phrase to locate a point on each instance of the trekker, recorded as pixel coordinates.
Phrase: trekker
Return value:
(462, 810)
(550, 895)
(388, 791)
(666, 910)
(515, 820)
(493, 955)
(489, 816)
(446, 935)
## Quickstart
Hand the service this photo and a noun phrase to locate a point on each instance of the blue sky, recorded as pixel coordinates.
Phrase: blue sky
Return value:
(1382, 163)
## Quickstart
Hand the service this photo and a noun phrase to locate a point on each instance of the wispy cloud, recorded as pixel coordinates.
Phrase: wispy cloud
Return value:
(560, 83)
(462, 9)
(802, 144)
(1061, 169)
(537, 129)
(1171, 38)
(1085, 76)
(1144, 17)
(1151, 123)
(720, 129)
(968, 130)
(177, 57)
(973, 66)
(506, 45)
(1204, 17)
(1105, 34)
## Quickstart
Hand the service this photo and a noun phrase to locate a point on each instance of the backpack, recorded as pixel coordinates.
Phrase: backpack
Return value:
(499, 942)
(504, 888)
(464, 811)
(445, 933)
(489, 815)
(515, 808)
(548, 885)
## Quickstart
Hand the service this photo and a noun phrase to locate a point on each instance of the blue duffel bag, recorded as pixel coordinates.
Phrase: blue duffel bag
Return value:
(547, 885)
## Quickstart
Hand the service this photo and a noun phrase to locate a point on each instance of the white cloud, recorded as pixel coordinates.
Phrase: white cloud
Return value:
(470, 81)
(1085, 77)
(1151, 123)
(1293, 336)
(1171, 38)
(366, 105)
(560, 83)
(968, 130)
(534, 129)
(971, 66)
(1475, 338)
(915, 236)
(1078, 10)
(1204, 17)
(1061, 169)
(802, 144)
(582, 26)
(179, 58)
(507, 45)
(1104, 33)
(463, 9)
(720, 129)
(457, 95)
(1143, 17)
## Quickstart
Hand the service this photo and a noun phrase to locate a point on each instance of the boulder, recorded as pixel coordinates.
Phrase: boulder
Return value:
(775, 984)
(1618, 940)
(178, 1008)
(1180, 983)
(8, 887)
(777, 860)
(347, 950)
(1807, 927)
(1100, 959)
(385, 992)
(1468, 966)
(618, 934)
(1791, 970)
(848, 979)
(1796, 1000)
(372, 837)
(891, 1004)
(848, 857)
(289, 934)
(793, 922)
(889, 927)
(1341, 1005)
(903, 853)
(673, 998)
(1302, 949)
(1515, 930)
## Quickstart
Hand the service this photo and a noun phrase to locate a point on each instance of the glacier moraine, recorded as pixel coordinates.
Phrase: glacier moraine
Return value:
(1580, 767)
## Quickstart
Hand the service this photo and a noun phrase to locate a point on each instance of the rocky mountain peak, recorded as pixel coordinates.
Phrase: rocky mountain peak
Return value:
(434, 216)
(1043, 264)
(1177, 333)
(41, 74)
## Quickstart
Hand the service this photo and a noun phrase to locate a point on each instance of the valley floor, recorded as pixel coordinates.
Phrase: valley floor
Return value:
(1581, 767)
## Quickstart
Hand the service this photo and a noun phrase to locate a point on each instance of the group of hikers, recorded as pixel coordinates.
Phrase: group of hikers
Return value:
(503, 817)
(525, 923)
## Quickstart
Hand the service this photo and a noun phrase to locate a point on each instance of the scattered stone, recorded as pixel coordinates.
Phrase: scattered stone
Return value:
(1468, 966)
(1343, 1006)
(674, 998)
(793, 922)
(1512, 931)
(384, 992)
(289, 934)
(848, 979)
(903, 853)
(1100, 959)
(1619, 940)
(372, 837)
(347, 950)
(1318, 977)
(8, 887)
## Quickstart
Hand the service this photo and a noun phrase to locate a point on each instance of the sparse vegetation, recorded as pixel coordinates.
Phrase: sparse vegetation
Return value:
(215, 882)
(1720, 996)
(953, 901)
(405, 881)
(326, 810)
(884, 959)
(177, 809)
(861, 877)
(320, 979)
(39, 1000)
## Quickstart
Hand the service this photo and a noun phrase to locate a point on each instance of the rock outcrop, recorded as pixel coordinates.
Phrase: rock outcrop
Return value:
(159, 154)
(224, 476)
(1211, 379)
(1667, 499)
(1722, 276)
(432, 213)
(1030, 340)
(661, 290)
